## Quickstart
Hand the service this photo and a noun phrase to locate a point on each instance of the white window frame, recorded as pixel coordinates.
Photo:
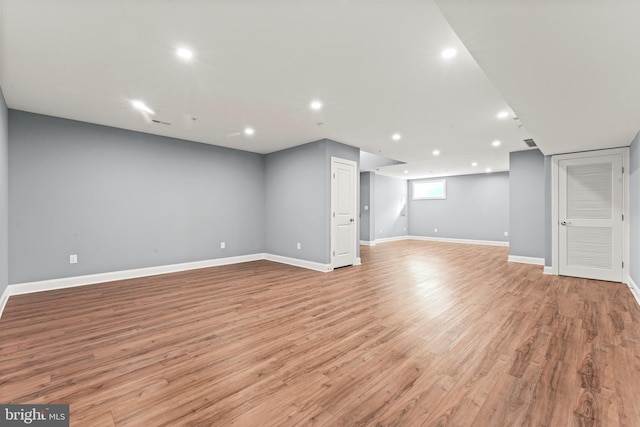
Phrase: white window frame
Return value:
(443, 182)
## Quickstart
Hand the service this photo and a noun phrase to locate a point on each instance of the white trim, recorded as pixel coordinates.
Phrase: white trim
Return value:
(311, 265)
(526, 260)
(92, 279)
(555, 202)
(635, 290)
(367, 243)
(70, 282)
(3, 300)
(391, 239)
(464, 241)
(547, 270)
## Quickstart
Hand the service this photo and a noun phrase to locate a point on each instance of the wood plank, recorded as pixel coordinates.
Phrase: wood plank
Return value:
(422, 333)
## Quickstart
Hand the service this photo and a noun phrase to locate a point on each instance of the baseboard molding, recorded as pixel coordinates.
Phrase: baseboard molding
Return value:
(311, 265)
(526, 260)
(92, 279)
(548, 270)
(464, 241)
(367, 243)
(635, 290)
(3, 300)
(391, 239)
(358, 261)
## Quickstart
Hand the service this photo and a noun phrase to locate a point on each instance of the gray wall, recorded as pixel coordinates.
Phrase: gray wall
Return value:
(634, 207)
(527, 204)
(476, 208)
(295, 181)
(298, 199)
(4, 195)
(391, 218)
(122, 200)
(367, 198)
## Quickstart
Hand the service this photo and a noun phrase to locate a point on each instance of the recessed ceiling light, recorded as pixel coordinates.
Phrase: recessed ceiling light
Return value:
(436, 152)
(474, 164)
(487, 170)
(139, 105)
(406, 171)
(503, 115)
(249, 131)
(496, 143)
(396, 137)
(316, 105)
(184, 53)
(449, 53)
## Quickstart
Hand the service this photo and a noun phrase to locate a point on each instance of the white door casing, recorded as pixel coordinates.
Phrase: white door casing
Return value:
(590, 202)
(343, 212)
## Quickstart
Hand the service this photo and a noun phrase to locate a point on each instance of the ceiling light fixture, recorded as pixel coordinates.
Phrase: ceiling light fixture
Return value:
(449, 53)
(184, 53)
(474, 164)
(503, 115)
(436, 152)
(396, 137)
(316, 105)
(496, 143)
(488, 170)
(249, 131)
(406, 171)
(139, 105)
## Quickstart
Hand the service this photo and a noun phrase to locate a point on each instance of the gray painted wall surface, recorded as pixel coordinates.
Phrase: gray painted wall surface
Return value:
(390, 195)
(298, 199)
(4, 195)
(548, 256)
(296, 206)
(367, 199)
(123, 200)
(634, 207)
(476, 208)
(527, 204)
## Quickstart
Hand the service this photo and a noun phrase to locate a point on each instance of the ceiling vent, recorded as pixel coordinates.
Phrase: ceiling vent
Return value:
(160, 122)
(530, 142)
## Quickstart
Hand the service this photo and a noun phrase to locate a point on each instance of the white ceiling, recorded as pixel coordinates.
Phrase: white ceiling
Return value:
(376, 66)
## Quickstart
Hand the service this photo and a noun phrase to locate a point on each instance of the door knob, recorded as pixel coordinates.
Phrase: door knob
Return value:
(350, 219)
(563, 223)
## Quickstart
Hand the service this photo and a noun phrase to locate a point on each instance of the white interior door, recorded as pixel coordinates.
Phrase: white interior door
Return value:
(343, 217)
(590, 231)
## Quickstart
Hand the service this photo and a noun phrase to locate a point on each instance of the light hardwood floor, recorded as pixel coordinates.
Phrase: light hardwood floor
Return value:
(422, 333)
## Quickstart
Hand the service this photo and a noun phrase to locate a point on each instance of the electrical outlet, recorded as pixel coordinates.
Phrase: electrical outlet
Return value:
(381, 231)
(405, 228)
(299, 246)
(366, 207)
(506, 233)
(73, 259)
(223, 245)
(435, 230)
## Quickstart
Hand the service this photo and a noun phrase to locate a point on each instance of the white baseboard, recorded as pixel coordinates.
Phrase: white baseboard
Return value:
(526, 260)
(548, 270)
(635, 290)
(92, 279)
(465, 241)
(367, 243)
(3, 299)
(391, 239)
(311, 265)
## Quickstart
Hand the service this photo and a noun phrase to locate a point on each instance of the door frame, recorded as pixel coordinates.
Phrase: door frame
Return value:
(356, 223)
(555, 204)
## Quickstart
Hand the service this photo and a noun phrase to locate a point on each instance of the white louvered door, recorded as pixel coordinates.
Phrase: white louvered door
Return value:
(590, 217)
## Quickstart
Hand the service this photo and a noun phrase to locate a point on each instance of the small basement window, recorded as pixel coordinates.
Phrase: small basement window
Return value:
(428, 190)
